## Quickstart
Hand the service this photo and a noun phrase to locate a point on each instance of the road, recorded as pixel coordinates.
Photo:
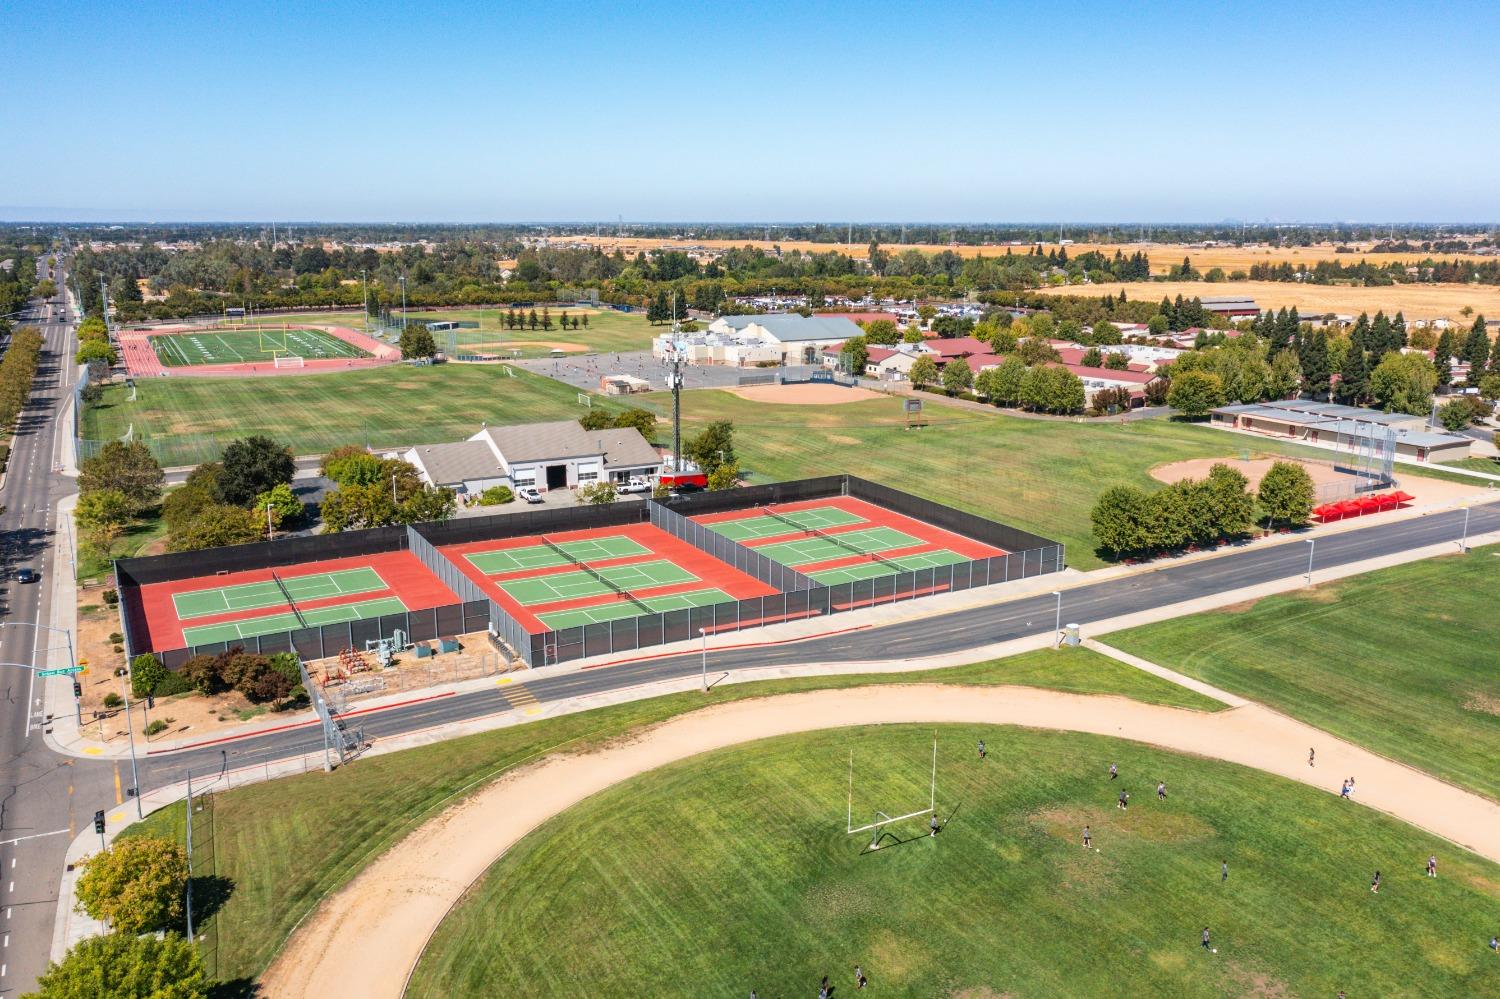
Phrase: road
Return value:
(36, 784)
(42, 792)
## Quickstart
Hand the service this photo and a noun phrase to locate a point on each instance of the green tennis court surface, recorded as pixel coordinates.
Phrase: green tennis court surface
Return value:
(254, 596)
(572, 585)
(177, 350)
(887, 567)
(821, 549)
(817, 519)
(544, 556)
(558, 620)
(232, 631)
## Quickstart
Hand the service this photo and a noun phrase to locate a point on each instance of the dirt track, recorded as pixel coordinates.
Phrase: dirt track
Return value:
(805, 394)
(365, 940)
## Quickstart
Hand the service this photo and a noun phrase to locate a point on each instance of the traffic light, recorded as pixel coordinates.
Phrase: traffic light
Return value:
(99, 822)
(77, 690)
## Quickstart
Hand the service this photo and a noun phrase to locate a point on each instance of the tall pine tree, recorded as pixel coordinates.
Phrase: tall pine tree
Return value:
(1314, 357)
(1443, 358)
(1398, 331)
(1353, 377)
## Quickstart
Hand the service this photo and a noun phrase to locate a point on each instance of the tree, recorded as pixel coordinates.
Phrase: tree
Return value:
(858, 354)
(1195, 393)
(1158, 325)
(254, 465)
(713, 447)
(103, 507)
(881, 332)
(146, 675)
(1489, 387)
(1456, 415)
(726, 476)
(1313, 354)
(1092, 358)
(1116, 361)
(1007, 382)
(1285, 375)
(217, 525)
(597, 419)
(129, 468)
(424, 504)
(924, 371)
(1404, 383)
(1353, 376)
(912, 334)
(186, 501)
(351, 465)
(1036, 350)
(601, 493)
(1104, 333)
(284, 504)
(1286, 494)
(1443, 357)
(123, 966)
(642, 420)
(136, 886)
(957, 378)
(1230, 502)
(417, 342)
(1119, 520)
(358, 505)
(94, 350)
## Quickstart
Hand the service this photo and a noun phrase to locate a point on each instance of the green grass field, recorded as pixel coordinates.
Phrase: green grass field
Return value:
(187, 420)
(734, 871)
(1040, 475)
(248, 346)
(608, 331)
(284, 845)
(1404, 661)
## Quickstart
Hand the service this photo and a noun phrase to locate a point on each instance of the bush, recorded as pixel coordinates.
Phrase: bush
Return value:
(123, 966)
(155, 728)
(285, 663)
(113, 700)
(201, 673)
(116, 637)
(1455, 415)
(171, 684)
(146, 675)
(112, 596)
(136, 885)
(496, 495)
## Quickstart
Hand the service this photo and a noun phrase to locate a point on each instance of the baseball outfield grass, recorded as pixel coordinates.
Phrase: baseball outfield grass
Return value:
(733, 871)
(1404, 661)
(278, 848)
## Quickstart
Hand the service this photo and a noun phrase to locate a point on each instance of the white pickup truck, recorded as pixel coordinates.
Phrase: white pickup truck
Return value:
(635, 484)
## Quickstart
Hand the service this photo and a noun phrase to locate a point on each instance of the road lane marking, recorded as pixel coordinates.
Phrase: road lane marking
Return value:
(117, 817)
(119, 796)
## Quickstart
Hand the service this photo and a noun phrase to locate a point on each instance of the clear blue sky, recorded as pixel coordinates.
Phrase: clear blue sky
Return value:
(458, 111)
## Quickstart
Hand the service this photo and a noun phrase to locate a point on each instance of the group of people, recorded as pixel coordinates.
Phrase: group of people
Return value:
(825, 991)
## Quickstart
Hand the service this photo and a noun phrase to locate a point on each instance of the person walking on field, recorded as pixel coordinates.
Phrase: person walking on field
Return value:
(860, 981)
(981, 749)
(1114, 771)
(1311, 752)
(1161, 790)
(1124, 801)
(1375, 883)
(1223, 871)
(1344, 791)
(1205, 939)
(1087, 837)
(1432, 866)
(932, 826)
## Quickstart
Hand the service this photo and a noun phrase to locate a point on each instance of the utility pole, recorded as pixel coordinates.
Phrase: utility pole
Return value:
(364, 293)
(403, 303)
(189, 898)
(135, 777)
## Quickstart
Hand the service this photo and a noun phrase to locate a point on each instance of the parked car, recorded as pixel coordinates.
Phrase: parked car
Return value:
(529, 494)
(25, 576)
(635, 484)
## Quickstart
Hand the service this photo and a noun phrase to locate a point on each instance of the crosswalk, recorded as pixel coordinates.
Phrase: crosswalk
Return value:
(518, 696)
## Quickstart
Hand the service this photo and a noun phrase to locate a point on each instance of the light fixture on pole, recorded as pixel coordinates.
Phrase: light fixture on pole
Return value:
(1463, 544)
(703, 634)
(1312, 546)
(1057, 628)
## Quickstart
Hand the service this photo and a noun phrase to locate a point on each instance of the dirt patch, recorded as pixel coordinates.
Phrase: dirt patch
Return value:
(1484, 703)
(844, 439)
(805, 394)
(1332, 485)
(982, 992)
(1256, 983)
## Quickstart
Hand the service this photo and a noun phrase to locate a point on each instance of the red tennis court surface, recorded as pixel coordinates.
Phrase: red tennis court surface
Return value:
(157, 623)
(812, 535)
(524, 574)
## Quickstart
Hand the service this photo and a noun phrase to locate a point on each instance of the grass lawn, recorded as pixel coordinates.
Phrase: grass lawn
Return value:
(608, 330)
(284, 845)
(734, 871)
(1490, 466)
(137, 536)
(258, 345)
(186, 420)
(1404, 661)
(1041, 475)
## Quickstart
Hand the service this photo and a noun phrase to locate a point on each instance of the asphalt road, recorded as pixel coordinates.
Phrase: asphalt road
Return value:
(50, 797)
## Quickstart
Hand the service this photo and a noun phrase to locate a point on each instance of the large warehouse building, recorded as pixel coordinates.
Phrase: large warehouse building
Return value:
(1339, 426)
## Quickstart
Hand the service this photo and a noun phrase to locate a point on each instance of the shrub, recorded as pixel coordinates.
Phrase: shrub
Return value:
(116, 637)
(112, 596)
(146, 675)
(172, 683)
(201, 673)
(155, 727)
(285, 663)
(120, 965)
(496, 495)
(113, 700)
(136, 885)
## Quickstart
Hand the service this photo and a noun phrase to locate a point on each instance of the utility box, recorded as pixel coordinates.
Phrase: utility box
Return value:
(1071, 636)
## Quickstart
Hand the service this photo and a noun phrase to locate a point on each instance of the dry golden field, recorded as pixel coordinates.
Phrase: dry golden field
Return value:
(1417, 301)
(1163, 255)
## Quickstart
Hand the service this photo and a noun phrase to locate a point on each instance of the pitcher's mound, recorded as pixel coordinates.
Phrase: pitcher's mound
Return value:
(806, 394)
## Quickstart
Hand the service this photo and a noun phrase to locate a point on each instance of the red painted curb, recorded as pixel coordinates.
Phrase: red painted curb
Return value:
(722, 648)
(292, 725)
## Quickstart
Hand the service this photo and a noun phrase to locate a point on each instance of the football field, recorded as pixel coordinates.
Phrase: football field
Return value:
(243, 346)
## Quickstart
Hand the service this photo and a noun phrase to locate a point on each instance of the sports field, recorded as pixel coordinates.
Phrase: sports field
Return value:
(557, 620)
(733, 871)
(253, 596)
(608, 331)
(244, 346)
(186, 421)
(495, 563)
(1405, 661)
(230, 631)
(596, 582)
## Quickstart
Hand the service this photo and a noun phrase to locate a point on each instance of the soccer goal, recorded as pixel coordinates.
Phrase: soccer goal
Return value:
(881, 818)
(282, 360)
(585, 400)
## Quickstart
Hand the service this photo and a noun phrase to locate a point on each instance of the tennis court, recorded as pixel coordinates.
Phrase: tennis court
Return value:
(544, 556)
(822, 548)
(231, 631)
(887, 567)
(255, 596)
(177, 350)
(779, 524)
(558, 620)
(587, 583)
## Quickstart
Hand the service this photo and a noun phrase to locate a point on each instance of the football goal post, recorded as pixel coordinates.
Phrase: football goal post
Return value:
(881, 818)
(272, 340)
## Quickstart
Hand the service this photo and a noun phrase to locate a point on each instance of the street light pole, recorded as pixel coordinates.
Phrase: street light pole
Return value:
(403, 303)
(1463, 545)
(270, 530)
(135, 777)
(72, 663)
(703, 633)
(1312, 546)
(1057, 628)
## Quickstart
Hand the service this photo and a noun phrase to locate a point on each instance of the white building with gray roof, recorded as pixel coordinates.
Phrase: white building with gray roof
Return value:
(554, 455)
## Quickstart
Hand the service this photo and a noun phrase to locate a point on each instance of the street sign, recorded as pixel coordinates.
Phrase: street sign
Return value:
(64, 671)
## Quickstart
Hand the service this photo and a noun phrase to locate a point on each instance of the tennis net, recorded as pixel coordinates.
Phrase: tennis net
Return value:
(814, 532)
(597, 575)
(290, 602)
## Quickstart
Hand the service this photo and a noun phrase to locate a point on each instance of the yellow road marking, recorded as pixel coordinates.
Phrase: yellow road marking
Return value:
(117, 817)
(520, 697)
(119, 796)
(94, 751)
